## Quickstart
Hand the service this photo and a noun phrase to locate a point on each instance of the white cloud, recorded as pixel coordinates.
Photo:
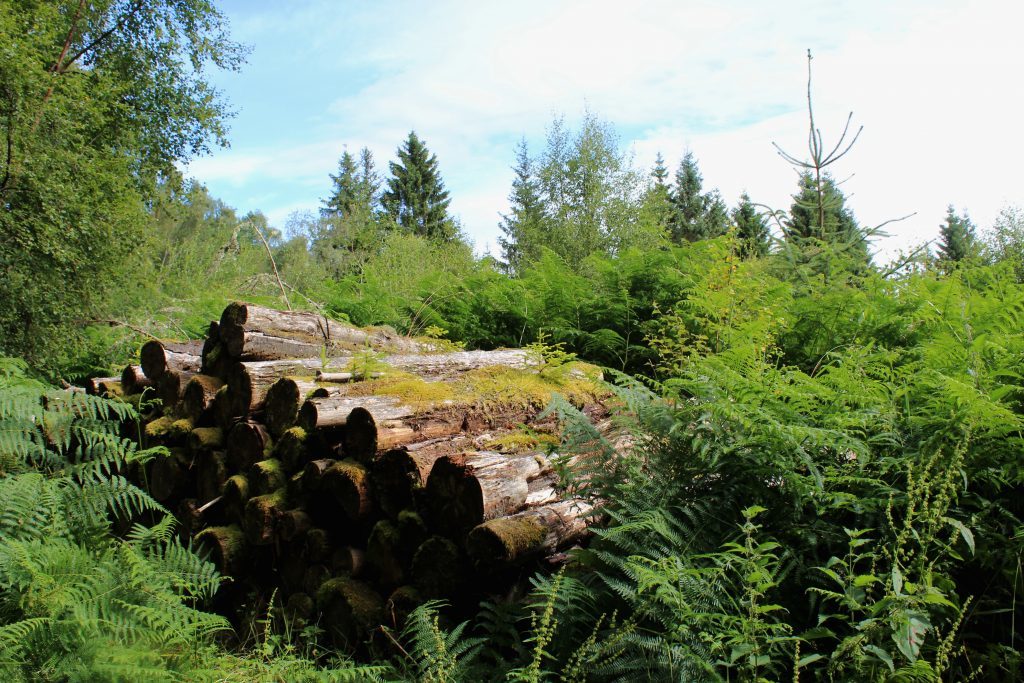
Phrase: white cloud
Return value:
(932, 82)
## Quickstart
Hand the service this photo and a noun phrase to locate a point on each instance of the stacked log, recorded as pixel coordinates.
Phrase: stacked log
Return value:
(295, 471)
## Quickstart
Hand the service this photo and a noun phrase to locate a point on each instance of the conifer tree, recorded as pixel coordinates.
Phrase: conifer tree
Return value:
(957, 239)
(660, 172)
(751, 228)
(356, 186)
(695, 216)
(524, 226)
(416, 198)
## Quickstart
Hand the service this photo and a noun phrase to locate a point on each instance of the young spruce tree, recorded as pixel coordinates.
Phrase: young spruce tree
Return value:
(751, 228)
(695, 215)
(524, 227)
(415, 197)
(957, 238)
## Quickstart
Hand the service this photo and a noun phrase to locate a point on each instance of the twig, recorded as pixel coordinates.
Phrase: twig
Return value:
(119, 323)
(206, 506)
(273, 263)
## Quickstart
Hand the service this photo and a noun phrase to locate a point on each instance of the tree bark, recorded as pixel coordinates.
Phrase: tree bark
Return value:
(247, 444)
(134, 380)
(533, 532)
(399, 474)
(197, 399)
(158, 357)
(282, 402)
(227, 549)
(443, 366)
(348, 483)
(248, 383)
(467, 489)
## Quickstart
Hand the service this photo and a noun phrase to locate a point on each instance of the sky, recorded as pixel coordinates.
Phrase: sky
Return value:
(931, 82)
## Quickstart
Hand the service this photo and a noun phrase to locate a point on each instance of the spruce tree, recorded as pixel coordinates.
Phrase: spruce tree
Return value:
(695, 216)
(957, 240)
(751, 228)
(356, 187)
(415, 197)
(524, 226)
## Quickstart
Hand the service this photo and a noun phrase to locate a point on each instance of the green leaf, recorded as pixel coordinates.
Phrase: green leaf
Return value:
(965, 533)
(882, 655)
(911, 628)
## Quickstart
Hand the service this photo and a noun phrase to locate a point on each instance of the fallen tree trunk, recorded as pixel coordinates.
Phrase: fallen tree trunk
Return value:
(247, 444)
(248, 383)
(171, 386)
(399, 474)
(198, 396)
(533, 532)
(226, 547)
(158, 357)
(133, 380)
(467, 489)
(282, 402)
(442, 366)
(95, 386)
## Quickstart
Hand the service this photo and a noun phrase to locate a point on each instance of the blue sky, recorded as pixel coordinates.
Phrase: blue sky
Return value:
(935, 85)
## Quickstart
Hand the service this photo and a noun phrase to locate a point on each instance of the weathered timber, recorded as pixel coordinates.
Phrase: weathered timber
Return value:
(321, 413)
(266, 476)
(158, 357)
(292, 524)
(235, 495)
(443, 366)
(282, 402)
(227, 548)
(366, 433)
(197, 399)
(170, 476)
(261, 514)
(248, 443)
(158, 430)
(291, 449)
(215, 358)
(345, 377)
(399, 474)
(348, 560)
(382, 554)
(533, 532)
(249, 382)
(467, 489)
(211, 474)
(438, 568)
(349, 608)
(133, 380)
(92, 385)
(311, 328)
(171, 386)
(348, 483)
(205, 439)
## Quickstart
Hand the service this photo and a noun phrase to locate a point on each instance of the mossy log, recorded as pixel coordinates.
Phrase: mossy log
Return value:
(349, 609)
(382, 554)
(134, 380)
(531, 533)
(348, 560)
(348, 483)
(467, 489)
(266, 476)
(158, 430)
(249, 382)
(261, 513)
(110, 387)
(247, 444)
(205, 439)
(215, 358)
(227, 548)
(292, 524)
(314, 577)
(345, 377)
(180, 429)
(197, 398)
(313, 475)
(400, 604)
(158, 357)
(171, 386)
(234, 496)
(334, 411)
(282, 402)
(92, 385)
(299, 609)
(190, 516)
(400, 473)
(291, 449)
(316, 545)
(438, 568)
(211, 475)
(171, 476)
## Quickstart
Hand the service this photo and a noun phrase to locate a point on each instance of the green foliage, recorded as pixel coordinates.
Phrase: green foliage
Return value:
(100, 100)
(415, 197)
(695, 215)
(957, 239)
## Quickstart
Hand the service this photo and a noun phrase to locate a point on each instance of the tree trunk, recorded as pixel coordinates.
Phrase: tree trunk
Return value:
(345, 377)
(443, 366)
(248, 383)
(348, 483)
(533, 532)
(247, 444)
(227, 549)
(399, 474)
(261, 514)
(467, 489)
(158, 357)
(197, 399)
(134, 380)
(321, 413)
(282, 402)
(349, 609)
(171, 386)
(311, 328)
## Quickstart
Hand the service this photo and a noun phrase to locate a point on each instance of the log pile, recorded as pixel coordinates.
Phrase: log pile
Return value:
(355, 472)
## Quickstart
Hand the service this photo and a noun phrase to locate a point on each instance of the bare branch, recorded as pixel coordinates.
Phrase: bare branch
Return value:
(273, 263)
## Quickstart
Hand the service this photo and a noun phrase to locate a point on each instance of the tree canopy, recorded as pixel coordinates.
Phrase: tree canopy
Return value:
(416, 198)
